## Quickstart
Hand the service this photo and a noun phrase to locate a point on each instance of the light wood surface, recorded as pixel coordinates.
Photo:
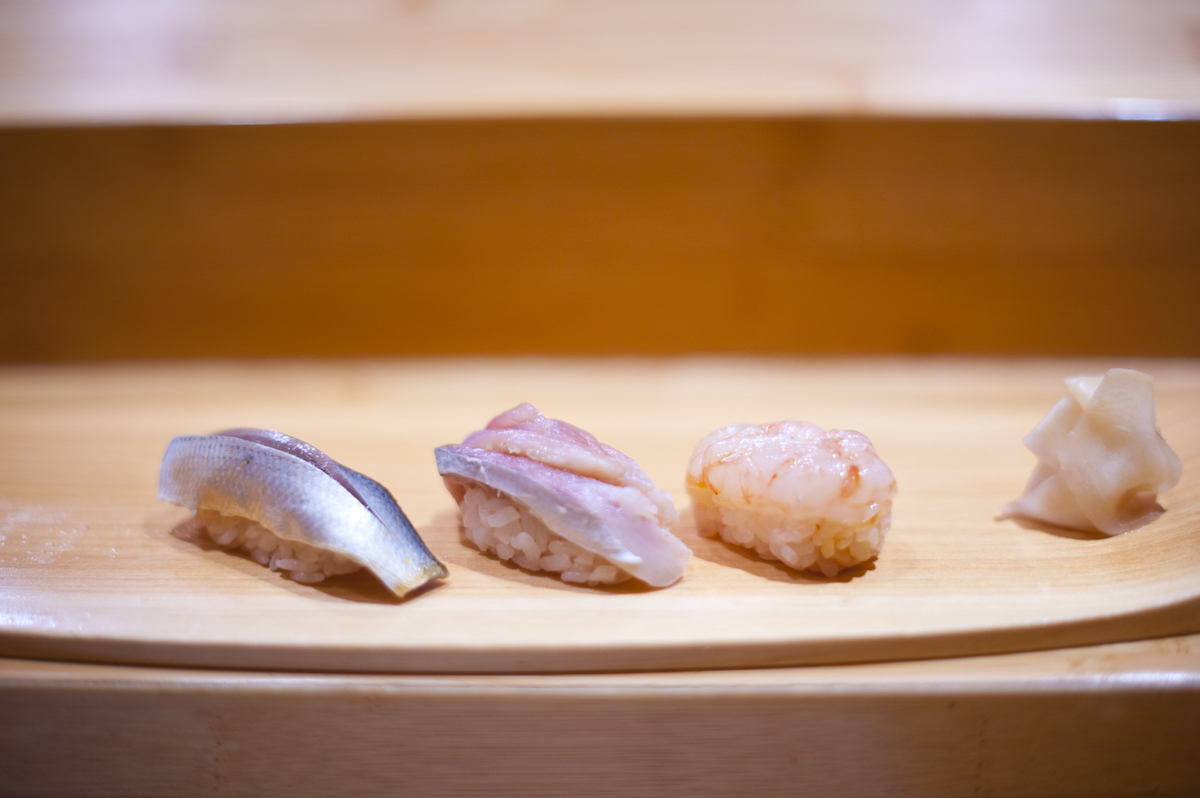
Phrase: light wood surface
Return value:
(1109, 720)
(140, 60)
(601, 237)
(90, 570)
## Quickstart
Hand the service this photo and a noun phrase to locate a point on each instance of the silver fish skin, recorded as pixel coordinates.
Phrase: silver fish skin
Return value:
(353, 516)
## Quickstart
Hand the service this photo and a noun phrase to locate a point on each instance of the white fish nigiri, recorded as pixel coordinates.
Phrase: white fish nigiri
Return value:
(294, 508)
(817, 500)
(1101, 460)
(548, 496)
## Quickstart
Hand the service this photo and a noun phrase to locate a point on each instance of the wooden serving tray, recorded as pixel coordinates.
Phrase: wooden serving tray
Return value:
(89, 569)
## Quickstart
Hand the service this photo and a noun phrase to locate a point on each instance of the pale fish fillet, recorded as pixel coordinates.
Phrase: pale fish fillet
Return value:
(1101, 460)
(525, 432)
(589, 494)
(300, 494)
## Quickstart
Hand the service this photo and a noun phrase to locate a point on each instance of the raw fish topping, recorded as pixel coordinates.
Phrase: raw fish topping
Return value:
(276, 495)
(525, 432)
(1101, 460)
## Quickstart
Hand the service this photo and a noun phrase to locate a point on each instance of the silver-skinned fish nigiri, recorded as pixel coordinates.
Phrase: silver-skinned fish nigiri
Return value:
(294, 508)
(550, 497)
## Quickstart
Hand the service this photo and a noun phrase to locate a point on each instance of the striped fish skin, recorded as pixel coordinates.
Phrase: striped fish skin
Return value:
(257, 474)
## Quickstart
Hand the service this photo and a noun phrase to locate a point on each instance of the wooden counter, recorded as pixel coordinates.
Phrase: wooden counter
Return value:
(1099, 721)
(601, 237)
(80, 446)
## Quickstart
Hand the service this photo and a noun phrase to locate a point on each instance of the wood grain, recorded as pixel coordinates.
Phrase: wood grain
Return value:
(139, 60)
(1098, 721)
(601, 237)
(91, 571)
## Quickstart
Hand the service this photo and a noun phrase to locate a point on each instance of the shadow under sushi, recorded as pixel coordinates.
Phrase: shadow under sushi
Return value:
(1051, 529)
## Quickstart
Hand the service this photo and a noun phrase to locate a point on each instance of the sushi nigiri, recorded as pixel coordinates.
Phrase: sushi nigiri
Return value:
(818, 501)
(293, 508)
(1101, 460)
(549, 497)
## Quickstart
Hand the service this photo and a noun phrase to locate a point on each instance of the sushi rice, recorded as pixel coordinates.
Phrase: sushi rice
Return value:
(300, 561)
(803, 544)
(496, 523)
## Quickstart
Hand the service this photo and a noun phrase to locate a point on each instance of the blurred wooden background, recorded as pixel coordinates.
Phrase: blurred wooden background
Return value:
(583, 177)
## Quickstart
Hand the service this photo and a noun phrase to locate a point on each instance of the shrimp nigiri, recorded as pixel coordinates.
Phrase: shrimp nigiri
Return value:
(819, 501)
